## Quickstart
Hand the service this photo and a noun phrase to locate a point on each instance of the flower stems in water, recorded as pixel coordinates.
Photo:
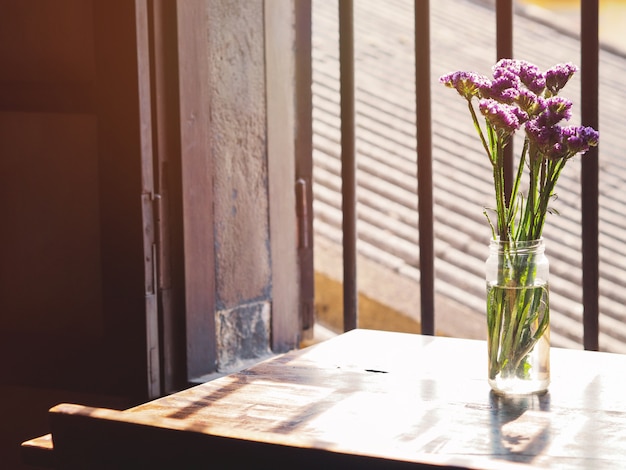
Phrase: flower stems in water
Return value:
(517, 315)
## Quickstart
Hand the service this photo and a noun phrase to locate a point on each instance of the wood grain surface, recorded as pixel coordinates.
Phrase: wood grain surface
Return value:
(382, 399)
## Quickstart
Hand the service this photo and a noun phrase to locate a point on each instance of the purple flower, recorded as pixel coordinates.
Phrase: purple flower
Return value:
(531, 103)
(520, 95)
(467, 84)
(504, 88)
(502, 117)
(579, 139)
(561, 142)
(544, 137)
(506, 67)
(527, 73)
(559, 106)
(558, 76)
(522, 116)
(530, 76)
(557, 109)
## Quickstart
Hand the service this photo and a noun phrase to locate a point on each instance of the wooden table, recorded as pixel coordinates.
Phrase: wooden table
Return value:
(365, 399)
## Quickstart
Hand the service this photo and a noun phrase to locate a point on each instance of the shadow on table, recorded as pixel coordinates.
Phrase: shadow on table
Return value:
(521, 428)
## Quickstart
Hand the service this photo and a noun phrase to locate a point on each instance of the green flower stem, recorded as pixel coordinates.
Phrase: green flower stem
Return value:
(494, 323)
(517, 310)
(516, 186)
(516, 318)
(523, 327)
(477, 126)
(553, 171)
(497, 152)
(527, 345)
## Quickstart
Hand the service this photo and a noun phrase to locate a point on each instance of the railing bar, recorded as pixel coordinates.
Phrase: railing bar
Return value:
(589, 14)
(504, 50)
(348, 163)
(424, 165)
(304, 162)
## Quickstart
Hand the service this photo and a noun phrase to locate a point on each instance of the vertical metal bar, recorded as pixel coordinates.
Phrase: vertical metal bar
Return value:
(348, 163)
(304, 164)
(589, 178)
(504, 50)
(424, 165)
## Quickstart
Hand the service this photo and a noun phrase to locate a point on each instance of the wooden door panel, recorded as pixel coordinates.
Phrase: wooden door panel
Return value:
(72, 297)
(49, 243)
(47, 41)
(47, 55)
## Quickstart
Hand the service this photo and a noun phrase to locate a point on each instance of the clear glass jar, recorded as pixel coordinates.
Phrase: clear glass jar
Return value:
(518, 317)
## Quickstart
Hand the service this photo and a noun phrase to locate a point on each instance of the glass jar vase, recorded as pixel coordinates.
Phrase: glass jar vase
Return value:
(518, 317)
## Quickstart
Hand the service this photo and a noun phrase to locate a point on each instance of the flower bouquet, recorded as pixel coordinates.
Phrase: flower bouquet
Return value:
(520, 96)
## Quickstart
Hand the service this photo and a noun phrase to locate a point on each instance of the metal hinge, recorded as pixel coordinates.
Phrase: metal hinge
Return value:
(156, 211)
(150, 228)
(149, 242)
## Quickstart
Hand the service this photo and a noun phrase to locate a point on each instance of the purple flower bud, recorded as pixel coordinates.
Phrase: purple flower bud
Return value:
(559, 106)
(589, 135)
(504, 89)
(523, 71)
(561, 142)
(557, 109)
(530, 102)
(532, 78)
(579, 139)
(502, 117)
(521, 115)
(467, 84)
(558, 76)
(544, 137)
(506, 67)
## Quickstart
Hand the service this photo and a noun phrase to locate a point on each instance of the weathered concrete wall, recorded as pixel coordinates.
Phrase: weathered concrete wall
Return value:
(238, 145)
